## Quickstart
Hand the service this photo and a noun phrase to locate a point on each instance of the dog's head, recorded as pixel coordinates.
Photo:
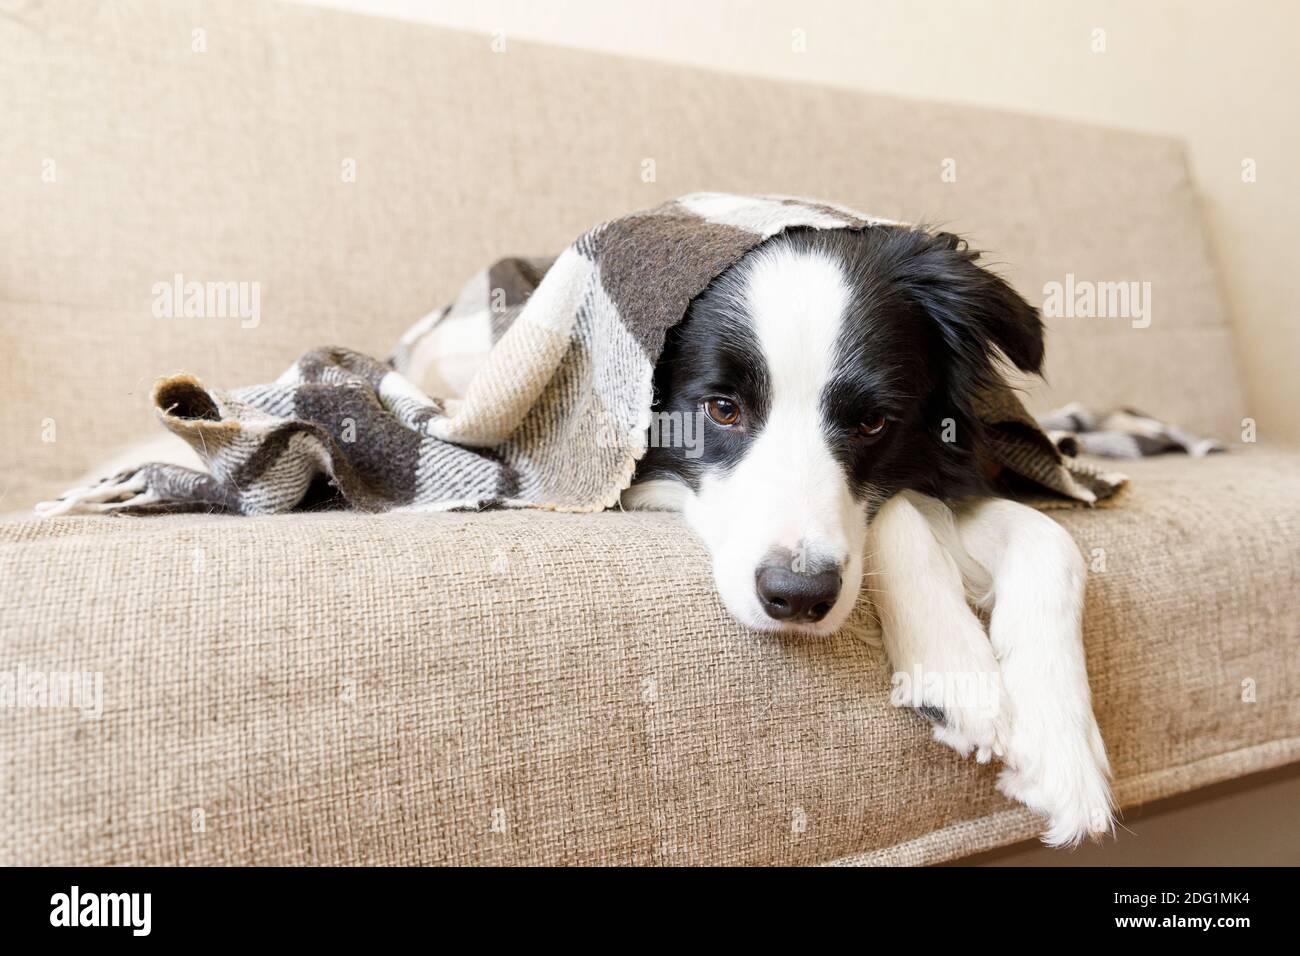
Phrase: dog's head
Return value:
(829, 370)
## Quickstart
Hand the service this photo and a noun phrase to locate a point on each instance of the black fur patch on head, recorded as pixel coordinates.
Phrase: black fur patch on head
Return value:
(920, 337)
(712, 352)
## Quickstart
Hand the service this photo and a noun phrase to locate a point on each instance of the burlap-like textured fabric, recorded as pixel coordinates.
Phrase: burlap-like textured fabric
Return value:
(539, 688)
(358, 209)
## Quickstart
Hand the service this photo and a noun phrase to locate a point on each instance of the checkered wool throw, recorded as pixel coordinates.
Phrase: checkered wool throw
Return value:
(532, 389)
(1124, 433)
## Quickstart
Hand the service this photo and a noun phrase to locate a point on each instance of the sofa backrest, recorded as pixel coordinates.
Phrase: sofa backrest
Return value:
(354, 171)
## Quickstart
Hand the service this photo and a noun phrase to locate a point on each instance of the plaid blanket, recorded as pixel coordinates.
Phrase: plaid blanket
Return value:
(1124, 433)
(532, 389)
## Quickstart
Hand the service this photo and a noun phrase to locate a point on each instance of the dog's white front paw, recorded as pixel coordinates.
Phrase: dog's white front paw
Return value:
(981, 735)
(1061, 771)
(967, 708)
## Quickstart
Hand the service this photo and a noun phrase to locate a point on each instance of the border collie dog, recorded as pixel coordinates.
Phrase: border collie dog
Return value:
(834, 372)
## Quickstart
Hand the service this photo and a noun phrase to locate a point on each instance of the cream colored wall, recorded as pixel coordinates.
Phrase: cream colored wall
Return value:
(1221, 75)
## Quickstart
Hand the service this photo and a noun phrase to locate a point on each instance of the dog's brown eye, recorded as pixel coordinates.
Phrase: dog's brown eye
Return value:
(723, 411)
(873, 426)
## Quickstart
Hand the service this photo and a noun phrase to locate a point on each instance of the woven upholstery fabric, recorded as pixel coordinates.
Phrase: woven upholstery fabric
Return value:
(545, 688)
(360, 170)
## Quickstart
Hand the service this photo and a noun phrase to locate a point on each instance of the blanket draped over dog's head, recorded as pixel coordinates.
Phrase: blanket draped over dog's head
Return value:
(533, 389)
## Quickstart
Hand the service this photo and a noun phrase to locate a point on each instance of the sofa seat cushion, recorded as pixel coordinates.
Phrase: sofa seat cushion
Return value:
(542, 688)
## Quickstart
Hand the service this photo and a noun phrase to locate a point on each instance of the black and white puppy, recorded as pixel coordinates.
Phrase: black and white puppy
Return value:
(834, 372)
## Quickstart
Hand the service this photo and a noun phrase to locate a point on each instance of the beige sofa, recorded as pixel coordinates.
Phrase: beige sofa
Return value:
(538, 688)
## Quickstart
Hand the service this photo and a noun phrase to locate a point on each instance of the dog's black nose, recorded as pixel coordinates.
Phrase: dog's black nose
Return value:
(791, 596)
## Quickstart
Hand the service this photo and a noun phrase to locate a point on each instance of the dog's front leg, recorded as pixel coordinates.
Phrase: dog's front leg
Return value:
(1055, 759)
(943, 663)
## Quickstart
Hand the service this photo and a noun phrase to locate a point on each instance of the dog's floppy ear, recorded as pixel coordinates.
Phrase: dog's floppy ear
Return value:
(972, 307)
